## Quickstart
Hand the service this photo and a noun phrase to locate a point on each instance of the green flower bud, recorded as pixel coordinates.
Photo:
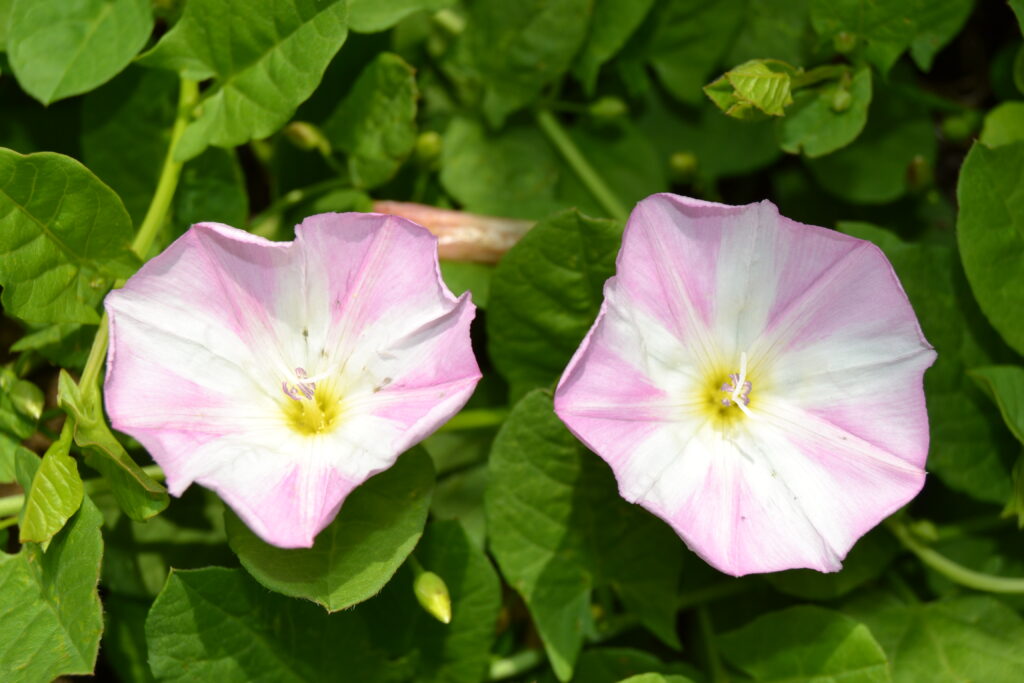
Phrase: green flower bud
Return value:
(432, 594)
(683, 167)
(844, 42)
(608, 107)
(307, 136)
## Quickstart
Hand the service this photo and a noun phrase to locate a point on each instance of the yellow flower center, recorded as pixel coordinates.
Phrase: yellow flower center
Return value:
(724, 396)
(311, 407)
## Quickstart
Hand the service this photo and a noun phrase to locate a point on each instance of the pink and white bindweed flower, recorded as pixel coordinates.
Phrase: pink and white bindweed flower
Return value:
(283, 375)
(753, 381)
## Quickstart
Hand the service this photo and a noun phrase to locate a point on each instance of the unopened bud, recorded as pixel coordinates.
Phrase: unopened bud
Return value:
(428, 146)
(307, 136)
(961, 127)
(844, 42)
(919, 173)
(608, 107)
(683, 166)
(432, 594)
(841, 100)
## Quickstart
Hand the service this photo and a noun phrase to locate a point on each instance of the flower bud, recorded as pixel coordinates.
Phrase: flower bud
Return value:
(683, 166)
(307, 136)
(432, 594)
(844, 42)
(608, 107)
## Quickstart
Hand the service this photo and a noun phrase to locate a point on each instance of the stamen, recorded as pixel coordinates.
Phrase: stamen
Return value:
(738, 388)
(304, 386)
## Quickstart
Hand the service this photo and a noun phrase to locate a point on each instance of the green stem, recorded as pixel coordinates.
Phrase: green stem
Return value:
(707, 635)
(950, 569)
(818, 74)
(10, 521)
(517, 664)
(579, 164)
(10, 505)
(188, 94)
(265, 223)
(477, 418)
(927, 99)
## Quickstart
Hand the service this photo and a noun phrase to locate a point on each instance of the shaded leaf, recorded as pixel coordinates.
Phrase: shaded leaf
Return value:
(990, 233)
(1005, 384)
(611, 25)
(539, 313)
(816, 125)
(558, 530)
(375, 125)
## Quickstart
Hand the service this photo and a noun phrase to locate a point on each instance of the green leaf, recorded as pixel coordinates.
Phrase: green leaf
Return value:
(1004, 124)
(520, 47)
(559, 530)
(937, 24)
(874, 169)
(136, 492)
(815, 125)
(458, 652)
(66, 345)
(375, 125)
(774, 29)
(968, 449)
(265, 56)
(211, 188)
(518, 160)
(55, 495)
(372, 16)
(539, 314)
(1005, 384)
(611, 25)
(51, 609)
(64, 236)
(656, 678)
(59, 48)
(990, 232)
(463, 276)
(354, 556)
(806, 644)
(686, 40)
(885, 28)
(972, 638)
(866, 562)
(218, 624)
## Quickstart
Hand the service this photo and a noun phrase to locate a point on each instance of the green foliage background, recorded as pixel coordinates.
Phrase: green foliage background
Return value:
(125, 121)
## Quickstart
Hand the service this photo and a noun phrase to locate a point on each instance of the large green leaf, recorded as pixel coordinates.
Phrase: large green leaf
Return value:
(972, 638)
(612, 664)
(559, 530)
(806, 644)
(518, 160)
(64, 236)
(990, 232)
(54, 496)
(816, 126)
(458, 652)
(611, 25)
(265, 56)
(18, 418)
(968, 448)
(684, 42)
(538, 313)
(354, 556)
(136, 492)
(59, 48)
(520, 47)
(218, 624)
(375, 125)
(1005, 384)
(51, 616)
